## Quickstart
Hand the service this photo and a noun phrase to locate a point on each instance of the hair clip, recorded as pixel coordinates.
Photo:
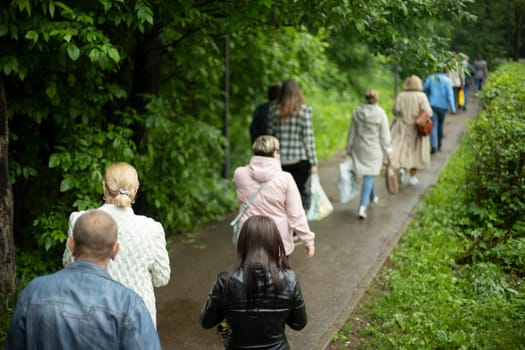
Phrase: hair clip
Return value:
(124, 191)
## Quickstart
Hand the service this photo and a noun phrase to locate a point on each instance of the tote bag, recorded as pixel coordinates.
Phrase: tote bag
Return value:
(347, 182)
(392, 185)
(321, 206)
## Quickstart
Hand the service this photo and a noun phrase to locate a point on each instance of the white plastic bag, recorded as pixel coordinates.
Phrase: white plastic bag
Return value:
(347, 182)
(320, 206)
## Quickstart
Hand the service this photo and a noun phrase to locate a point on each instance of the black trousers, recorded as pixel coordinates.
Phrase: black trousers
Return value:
(301, 174)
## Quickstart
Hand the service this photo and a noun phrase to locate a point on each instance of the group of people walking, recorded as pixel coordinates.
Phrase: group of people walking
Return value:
(85, 306)
(104, 297)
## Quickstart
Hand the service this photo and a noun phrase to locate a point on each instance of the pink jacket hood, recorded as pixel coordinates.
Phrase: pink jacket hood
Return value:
(263, 168)
(279, 199)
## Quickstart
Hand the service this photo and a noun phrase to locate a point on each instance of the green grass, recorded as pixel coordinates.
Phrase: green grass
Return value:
(426, 300)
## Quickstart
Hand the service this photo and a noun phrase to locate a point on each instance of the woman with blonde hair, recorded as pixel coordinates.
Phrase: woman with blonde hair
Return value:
(368, 143)
(411, 151)
(279, 199)
(291, 122)
(143, 261)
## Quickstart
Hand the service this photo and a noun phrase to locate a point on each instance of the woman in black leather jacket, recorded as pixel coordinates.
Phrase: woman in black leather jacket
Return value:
(260, 294)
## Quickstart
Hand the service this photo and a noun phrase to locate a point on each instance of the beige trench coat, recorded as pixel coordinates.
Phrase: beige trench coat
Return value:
(409, 149)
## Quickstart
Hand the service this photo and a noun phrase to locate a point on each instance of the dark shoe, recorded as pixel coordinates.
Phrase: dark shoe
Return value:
(433, 150)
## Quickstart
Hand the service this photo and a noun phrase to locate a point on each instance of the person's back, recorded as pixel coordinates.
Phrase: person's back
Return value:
(260, 295)
(264, 324)
(439, 90)
(143, 262)
(138, 265)
(279, 199)
(81, 307)
(480, 66)
(259, 125)
(469, 73)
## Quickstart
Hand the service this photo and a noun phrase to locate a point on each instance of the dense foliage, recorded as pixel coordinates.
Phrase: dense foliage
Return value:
(93, 82)
(494, 203)
(90, 83)
(498, 32)
(428, 301)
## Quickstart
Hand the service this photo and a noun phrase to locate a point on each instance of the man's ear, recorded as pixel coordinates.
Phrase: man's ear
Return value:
(115, 250)
(71, 245)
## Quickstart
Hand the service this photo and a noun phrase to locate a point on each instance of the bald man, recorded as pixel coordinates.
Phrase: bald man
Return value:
(81, 306)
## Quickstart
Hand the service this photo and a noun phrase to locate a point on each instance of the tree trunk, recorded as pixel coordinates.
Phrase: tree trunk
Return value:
(146, 80)
(518, 18)
(7, 245)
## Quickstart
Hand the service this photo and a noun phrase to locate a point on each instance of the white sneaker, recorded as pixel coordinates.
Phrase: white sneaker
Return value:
(373, 202)
(401, 176)
(413, 181)
(362, 212)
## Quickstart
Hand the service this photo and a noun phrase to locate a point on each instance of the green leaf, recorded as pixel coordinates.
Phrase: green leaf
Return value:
(54, 160)
(94, 55)
(11, 65)
(66, 184)
(73, 51)
(114, 54)
(32, 35)
(3, 29)
(51, 9)
(51, 90)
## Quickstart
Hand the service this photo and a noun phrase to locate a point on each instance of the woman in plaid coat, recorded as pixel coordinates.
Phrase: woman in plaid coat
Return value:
(291, 122)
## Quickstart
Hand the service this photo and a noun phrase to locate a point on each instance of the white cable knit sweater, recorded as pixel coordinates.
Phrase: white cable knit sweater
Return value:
(142, 262)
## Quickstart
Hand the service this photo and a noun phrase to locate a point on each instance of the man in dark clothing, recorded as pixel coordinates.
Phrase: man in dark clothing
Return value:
(259, 124)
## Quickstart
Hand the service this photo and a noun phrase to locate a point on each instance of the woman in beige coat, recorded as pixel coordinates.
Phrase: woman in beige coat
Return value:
(411, 151)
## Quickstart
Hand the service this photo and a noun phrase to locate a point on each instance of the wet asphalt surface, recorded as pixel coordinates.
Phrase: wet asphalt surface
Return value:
(349, 252)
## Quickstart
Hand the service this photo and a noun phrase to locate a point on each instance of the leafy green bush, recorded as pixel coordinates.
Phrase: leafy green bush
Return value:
(426, 300)
(494, 194)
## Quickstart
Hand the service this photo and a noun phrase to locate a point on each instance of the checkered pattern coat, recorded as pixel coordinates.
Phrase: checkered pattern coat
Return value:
(295, 134)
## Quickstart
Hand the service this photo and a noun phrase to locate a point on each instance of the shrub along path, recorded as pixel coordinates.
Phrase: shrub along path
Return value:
(349, 252)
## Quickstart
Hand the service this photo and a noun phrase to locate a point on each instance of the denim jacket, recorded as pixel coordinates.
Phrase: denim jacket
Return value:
(80, 307)
(439, 91)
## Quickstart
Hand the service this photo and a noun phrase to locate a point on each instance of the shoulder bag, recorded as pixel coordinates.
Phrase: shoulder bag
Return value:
(235, 222)
(424, 124)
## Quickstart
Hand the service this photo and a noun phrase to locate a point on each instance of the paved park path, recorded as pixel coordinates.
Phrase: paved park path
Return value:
(349, 252)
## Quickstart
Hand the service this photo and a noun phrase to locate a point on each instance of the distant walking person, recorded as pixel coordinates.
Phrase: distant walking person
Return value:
(259, 125)
(410, 150)
(291, 122)
(368, 143)
(439, 91)
(279, 199)
(260, 295)
(480, 72)
(143, 261)
(457, 80)
(82, 307)
(469, 79)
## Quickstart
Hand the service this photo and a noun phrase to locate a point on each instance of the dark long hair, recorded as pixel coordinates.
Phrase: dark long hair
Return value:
(260, 249)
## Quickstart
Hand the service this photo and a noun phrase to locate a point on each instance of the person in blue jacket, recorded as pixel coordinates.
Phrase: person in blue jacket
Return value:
(82, 307)
(440, 95)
